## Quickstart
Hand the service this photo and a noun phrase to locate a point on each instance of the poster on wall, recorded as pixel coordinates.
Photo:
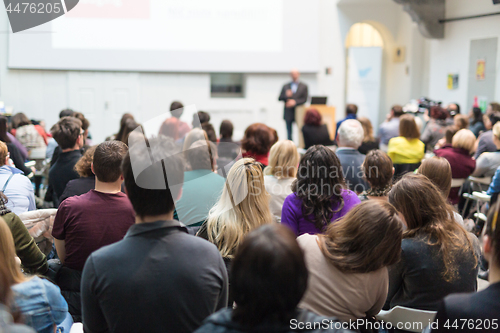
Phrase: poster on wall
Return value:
(452, 81)
(480, 69)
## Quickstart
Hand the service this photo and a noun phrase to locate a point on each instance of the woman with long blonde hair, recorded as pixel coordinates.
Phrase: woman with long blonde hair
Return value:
(39, 301)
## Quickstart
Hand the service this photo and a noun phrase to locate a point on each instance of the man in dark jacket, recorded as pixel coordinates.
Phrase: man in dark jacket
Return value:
(293, 94)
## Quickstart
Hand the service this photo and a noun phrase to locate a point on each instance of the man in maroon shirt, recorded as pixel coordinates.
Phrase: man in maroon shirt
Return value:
(86, 223)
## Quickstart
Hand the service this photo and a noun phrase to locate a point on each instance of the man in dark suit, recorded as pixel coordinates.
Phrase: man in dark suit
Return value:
(293, 94)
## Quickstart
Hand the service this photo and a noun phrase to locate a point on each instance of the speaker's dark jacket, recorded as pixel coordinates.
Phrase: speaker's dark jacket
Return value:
(300, 97)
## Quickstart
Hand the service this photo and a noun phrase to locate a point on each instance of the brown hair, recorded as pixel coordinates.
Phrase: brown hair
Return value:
(438, 170)
(367, 129)
(19, 120)
(8, 254)
(449, 132)
(66, 132)
(428, 216)
(258, 139)
(378, 169)
(170, 128)
(397, 110)
(408, 127)
(84, 165)
(366, 239)
(495, 107)
(351, 109)
(125, 117)
(4, 152)
(85, 121)
(108, 157)
(461, 121)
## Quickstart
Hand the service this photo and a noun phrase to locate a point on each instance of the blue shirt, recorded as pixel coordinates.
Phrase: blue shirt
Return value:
(19, 190)
(495, 183)
(388, 130)
(349, 116)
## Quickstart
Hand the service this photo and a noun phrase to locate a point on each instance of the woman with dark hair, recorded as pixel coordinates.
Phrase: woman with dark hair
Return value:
(6, 137)
(348, 264)
(378, 172)
(86, 182)
(257, 142)
(438, 256)
(434, 130)
(370, 142)
(477, 123)
(15, 153)
(314, 131)
(269, 278)
(319, 196)
(118, 136)
(129, 126)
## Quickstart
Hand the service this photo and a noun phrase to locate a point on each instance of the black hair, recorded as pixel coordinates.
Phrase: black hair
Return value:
(176, 108)
(477, 115)
(3, 129)
(226, 129)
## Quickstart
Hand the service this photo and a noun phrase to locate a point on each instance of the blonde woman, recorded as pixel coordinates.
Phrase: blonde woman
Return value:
(280, 174)
(370, 142)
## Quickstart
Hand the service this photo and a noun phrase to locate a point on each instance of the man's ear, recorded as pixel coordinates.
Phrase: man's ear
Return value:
(92, 167)
(393, 171)
(487, 248)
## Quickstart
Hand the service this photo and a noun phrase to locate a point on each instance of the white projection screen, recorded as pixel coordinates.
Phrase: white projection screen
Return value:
(259, 36)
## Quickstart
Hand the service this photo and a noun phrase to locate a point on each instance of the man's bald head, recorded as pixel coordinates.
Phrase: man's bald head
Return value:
(295, 75)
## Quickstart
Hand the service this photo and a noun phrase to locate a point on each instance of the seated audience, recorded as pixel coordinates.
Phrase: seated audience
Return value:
(446, 141)
(438, 256)
(257, 142)
(177, 109)
(314, 131)
(85, 127)
(406, 151)
(319, 196)
(15, 154)
(36, 299)
(269, 277)
(488, 162)
(129, 126)
(280, 174)
(369, 141)
(85, 223)
(196, 134)
(29, 135)
(200, 118)
(350, 111)
(378, 172)
(158, 278)
(461, 162)
(69, 136)
(349, 138)
(482, 308)
(485, 140)
(390, 128)
(170, 128)
(348, 264)
(32, 259)
(121, 131)
(461, 121)
(202, 186)
(492, 108)
(9, 322)
(494, 188)
(434, 130)
(16, 187)
(210, 130)
(86, 182)
(227, 149)
(453, 109)
(477, 123)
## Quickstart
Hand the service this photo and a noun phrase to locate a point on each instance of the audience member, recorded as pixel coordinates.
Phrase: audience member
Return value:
(390, 128)
(280, 174)
(66, 113)
(369, 141)
(85, 128)
(485, 140)
(319, 194)
(86, 182)
(347, 265)
(492, 108)
(438, 256)
(494, 188)
(446, 141)
(488, 163)
(227, 149)
(435, 127)
(121, 131)
(200, 118)
(210, 130)
(196, 134)
(483, 307)
(350, 111)
(257, 142)
(170, 128)
(69, 136)
(378, 172)
(461, 121)
(15, 154)
(36, 299)
(406, 151)
(129, 126)
(349, 138)
(269, 277)
(181, 279)
(314, 131)
(461, 162)
(15, 185)
(477, 123)
(202, 186)
(85, 223)
(453, 109)
(177, 109)
(29, 135)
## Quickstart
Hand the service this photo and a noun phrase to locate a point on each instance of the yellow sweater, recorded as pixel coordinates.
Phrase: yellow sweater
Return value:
(403, 151)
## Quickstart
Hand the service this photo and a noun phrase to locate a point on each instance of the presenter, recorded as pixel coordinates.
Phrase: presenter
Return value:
(293, 94)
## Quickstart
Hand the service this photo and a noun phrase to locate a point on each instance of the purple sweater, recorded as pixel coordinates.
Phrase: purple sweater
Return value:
(292, 217)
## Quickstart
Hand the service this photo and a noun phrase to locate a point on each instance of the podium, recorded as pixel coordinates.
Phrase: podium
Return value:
(327, 113)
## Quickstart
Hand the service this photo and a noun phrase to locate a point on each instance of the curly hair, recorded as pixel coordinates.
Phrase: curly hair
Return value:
(319, 185)
(258, 139)
(83, 166)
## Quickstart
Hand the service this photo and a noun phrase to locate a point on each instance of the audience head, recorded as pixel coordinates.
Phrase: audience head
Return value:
(226, 129)
(8, 255)
(196, 134)
(491, 239)
(201, 155)
(461, 121)
(176, 109)
(312, 117)
(68, 133)
(449, 132)
(85, 121)
(149, 191)
(351, 109)
(408, 127)
(19, 120)
(453, 109)
(170, 128)
(66, 113)
(275, 137)
(268, 276)
(378, 170)
(210, 130)
(438, 171)
(125, 117)
(496, 134)
(476, 115)
(350, 134)
(283, 160)
(295, 75)
(464, 139)
(438, 113)
(367, 129)
(200, 118)
(4, 154)
(427, 214)
(3, 129)
(366, 239)
(491, 119)
(129, 126)
(493, 107)
(243, 206)
(84, 165)
(258, 139)
(108, 158)
(319, 184)
(397, 111)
